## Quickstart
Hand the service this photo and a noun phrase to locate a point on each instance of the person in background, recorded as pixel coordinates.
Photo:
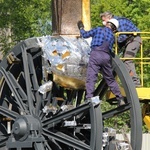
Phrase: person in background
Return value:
(129, 43)
(100, 58)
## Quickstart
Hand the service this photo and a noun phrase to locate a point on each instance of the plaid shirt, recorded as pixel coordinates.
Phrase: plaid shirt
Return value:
(125, 25)
(99, 35)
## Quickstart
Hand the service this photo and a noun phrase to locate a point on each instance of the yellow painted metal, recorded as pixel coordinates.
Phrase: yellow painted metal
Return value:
(86, 18)
(110, 95)
(72, 83)
(141, 61)
(146, 114)
(143, 93)
(147, 121)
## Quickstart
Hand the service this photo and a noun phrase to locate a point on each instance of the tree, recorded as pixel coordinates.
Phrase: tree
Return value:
(24, 19)
(136, 10)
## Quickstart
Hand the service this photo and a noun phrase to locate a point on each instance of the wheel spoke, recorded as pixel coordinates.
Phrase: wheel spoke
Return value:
(116, 111)
(14, 86)
(8, 113)
(3, 139)
(68, 114)
(35, 86)
(27, 79)
(63, 138)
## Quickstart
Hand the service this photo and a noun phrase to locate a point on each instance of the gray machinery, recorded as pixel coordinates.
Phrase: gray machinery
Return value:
(42, 93)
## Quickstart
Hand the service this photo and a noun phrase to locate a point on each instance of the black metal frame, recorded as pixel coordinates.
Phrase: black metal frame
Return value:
(20, 80)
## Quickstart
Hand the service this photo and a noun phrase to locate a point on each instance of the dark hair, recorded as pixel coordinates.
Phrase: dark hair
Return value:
(106, 14)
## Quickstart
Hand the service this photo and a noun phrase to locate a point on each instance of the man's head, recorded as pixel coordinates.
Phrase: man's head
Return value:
(113, 24)
(106, 16)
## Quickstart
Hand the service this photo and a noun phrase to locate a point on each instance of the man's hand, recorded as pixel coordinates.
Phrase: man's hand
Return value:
(80, 25)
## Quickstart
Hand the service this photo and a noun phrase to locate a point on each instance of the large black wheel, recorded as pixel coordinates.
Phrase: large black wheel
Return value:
(67, 123)
(56, 120)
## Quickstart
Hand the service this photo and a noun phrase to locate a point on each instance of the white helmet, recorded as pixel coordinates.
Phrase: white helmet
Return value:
(115, 22)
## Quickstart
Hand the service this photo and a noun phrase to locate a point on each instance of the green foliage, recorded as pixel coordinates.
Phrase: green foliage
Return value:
(25, 19)
(139, 12)
(117, 122)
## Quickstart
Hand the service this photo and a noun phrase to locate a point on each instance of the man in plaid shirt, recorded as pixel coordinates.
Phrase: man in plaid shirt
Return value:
(129, 42)
(100, 59)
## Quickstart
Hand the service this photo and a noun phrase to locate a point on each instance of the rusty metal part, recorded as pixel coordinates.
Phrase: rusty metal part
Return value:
(146, 114)
(86, 17)
(11, 58)
(66, 14)
(5, 119)
(68, 82)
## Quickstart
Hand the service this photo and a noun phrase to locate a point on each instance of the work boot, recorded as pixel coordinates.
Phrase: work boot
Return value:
(95, 100)
(121, 102)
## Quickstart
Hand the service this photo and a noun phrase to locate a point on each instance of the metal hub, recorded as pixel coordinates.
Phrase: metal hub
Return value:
(25, 126)
(26, 129)
(20, 127)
